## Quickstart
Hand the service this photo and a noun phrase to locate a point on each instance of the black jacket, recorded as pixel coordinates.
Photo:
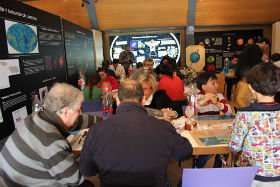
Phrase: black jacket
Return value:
(132, 148)
(161, 100)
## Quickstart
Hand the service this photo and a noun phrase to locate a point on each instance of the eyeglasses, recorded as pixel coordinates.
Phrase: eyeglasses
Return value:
(149, 65)
(145, 89)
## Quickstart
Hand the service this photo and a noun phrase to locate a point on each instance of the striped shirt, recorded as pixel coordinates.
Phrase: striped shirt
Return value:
(38, 154)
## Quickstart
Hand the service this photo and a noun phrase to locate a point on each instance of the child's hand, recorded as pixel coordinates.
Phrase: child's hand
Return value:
(206, 98)
(214, 99)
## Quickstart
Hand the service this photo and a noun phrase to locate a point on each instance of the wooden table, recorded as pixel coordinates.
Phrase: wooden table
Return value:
(198, 147)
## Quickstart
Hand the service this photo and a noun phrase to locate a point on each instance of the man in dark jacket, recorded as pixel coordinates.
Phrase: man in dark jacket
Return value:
(132, 148)
(126, 58)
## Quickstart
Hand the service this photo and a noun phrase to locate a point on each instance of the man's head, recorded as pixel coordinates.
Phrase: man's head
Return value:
(130, 91)
(207, 82)
(116, 63)
(149, 63)
(264, 78)
(66, 101)
(105, 64)
(165, 59)
(263, 43)
(127, 48)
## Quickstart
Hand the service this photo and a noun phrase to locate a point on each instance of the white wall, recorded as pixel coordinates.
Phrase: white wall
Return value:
(98, 47)
(275, 38)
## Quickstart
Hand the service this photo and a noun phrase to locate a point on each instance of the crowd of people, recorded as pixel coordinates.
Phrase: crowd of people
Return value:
(132, 148)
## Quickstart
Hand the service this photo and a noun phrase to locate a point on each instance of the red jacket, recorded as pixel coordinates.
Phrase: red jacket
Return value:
(174, 87)
(113, 81)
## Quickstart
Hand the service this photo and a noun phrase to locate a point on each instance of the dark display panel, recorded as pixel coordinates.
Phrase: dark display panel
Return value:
(224, 44)
(153, 45)
(31, 60)
(79, 51)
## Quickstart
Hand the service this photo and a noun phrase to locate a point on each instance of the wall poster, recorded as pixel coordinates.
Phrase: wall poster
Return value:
(79, 51)
(224, 44)
(31, 60)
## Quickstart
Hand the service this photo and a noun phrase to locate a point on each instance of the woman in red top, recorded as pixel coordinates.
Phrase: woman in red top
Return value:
(172, 84)
(103, 72)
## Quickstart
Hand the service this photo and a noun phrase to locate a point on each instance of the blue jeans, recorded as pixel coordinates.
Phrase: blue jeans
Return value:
(203, 159)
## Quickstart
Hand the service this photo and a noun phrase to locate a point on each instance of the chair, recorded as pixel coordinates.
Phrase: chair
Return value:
(184, 108)
(178, 104)
(92, 106)
(219, 177)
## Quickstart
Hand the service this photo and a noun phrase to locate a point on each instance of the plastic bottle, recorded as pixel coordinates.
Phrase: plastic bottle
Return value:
(82, 81)
(36, 104)
(191, 110)
(107, 100)
(226, 65)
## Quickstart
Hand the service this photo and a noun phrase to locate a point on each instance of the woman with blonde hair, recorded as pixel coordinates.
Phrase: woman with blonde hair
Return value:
(156, 99)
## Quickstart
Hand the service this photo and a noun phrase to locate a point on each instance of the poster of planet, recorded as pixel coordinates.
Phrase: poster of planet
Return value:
(21, 38)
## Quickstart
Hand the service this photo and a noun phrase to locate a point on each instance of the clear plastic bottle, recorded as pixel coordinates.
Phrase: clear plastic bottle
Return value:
(107, 100)
(226, 65)
(36, 104)
(191, 110)
(82, 81)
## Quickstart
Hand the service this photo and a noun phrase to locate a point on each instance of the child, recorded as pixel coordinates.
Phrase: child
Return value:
(255, 132)
(209, 101)
(242, 93)
(93, 93)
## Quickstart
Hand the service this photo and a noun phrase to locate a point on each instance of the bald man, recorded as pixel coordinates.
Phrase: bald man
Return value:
(132, 148)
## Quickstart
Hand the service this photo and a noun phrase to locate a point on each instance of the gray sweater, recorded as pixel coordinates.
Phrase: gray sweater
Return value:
(38, 154)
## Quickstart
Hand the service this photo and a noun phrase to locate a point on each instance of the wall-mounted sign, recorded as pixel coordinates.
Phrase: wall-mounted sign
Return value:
(144, 46)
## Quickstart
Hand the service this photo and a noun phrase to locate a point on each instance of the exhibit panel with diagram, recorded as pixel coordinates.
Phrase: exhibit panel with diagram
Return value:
(153, 45)
(79, 51)
(220, 45)
(31, 60)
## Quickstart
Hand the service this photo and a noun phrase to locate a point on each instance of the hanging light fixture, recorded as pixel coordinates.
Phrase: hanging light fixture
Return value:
(86, 1)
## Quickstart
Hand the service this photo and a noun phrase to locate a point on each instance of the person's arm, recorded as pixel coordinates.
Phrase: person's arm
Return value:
(238, 133)
(122, 57)
(182, 148)
(84, 121)
(203, 99)
(62, 165)
(132, 58)
(114, 83)
(122, 71)
(88, 166)
(221, 103)
(242, 96)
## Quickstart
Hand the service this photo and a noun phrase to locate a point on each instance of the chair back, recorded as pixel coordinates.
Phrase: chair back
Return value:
(178, 104)
(184, 108)
(92, 106)
(219, 177)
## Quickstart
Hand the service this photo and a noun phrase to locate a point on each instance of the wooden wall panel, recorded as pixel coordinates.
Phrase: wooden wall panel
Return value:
(124, 14)
(276, 38)
(70, 10)
(210, 12)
